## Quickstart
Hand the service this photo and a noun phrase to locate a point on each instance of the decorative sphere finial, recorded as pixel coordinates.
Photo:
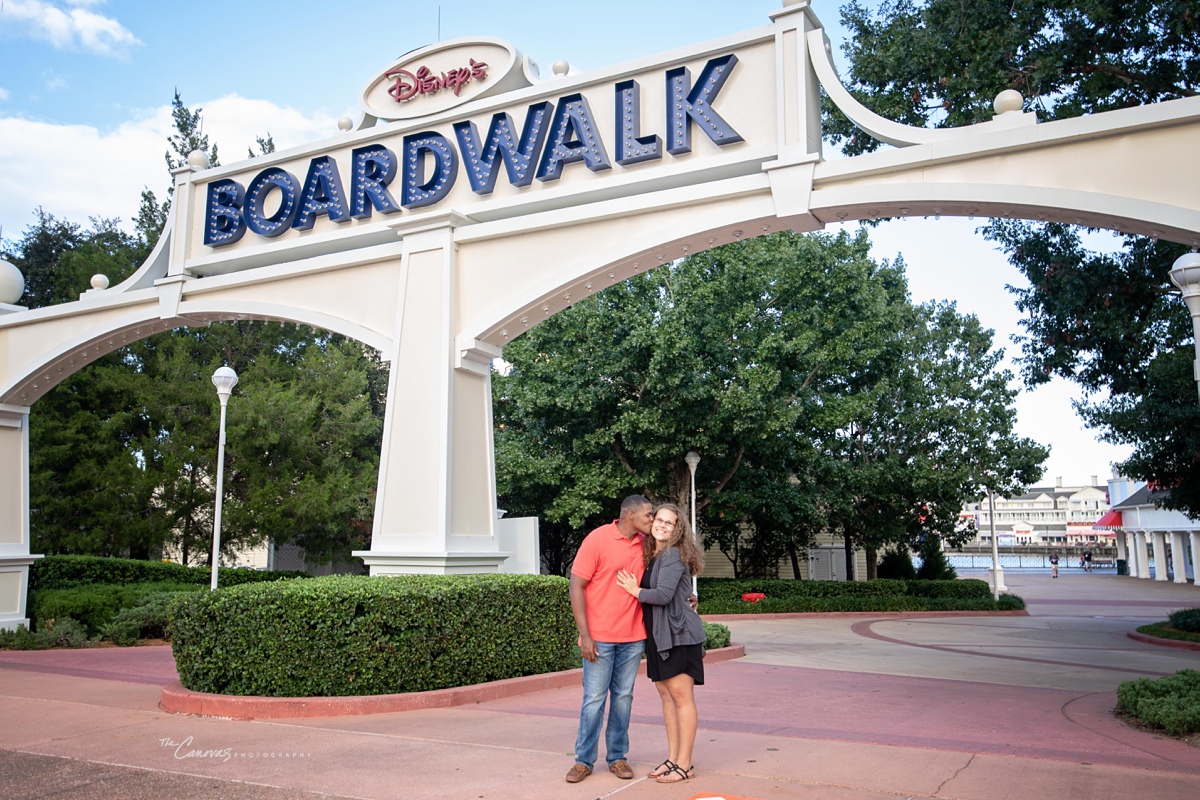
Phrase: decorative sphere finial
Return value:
(198, 159)
(345, 124)
(1008, 100)
(12, 283)
(560, 67)
(100, 282)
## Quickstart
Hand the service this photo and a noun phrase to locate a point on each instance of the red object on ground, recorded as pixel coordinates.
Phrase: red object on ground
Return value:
(753, 597)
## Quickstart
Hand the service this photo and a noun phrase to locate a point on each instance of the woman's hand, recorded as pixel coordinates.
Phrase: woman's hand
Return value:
(628, 581)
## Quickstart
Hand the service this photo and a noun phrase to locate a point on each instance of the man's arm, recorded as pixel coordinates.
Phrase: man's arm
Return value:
(579, 608)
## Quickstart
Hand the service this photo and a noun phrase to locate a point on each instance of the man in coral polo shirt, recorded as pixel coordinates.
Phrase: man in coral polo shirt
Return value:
(611, 635)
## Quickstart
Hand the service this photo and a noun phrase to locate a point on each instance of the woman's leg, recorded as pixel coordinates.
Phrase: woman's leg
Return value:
(669, 722)
(681, 690)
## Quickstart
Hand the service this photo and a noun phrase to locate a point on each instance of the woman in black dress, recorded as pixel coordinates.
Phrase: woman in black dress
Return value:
(674, 634)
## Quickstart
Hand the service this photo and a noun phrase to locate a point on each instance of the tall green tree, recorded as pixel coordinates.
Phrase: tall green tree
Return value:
(795, 366)
(1111, 322)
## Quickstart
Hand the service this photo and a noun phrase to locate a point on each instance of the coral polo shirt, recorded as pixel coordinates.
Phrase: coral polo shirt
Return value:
(614, 615)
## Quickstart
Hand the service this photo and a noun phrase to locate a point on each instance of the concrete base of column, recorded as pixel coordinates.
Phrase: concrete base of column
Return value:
(432, 563)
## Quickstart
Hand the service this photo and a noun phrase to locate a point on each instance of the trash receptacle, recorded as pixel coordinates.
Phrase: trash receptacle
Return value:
(1122, 568)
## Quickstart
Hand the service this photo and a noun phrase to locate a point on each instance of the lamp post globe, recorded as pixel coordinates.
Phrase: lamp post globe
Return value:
(1185, 273)
(224, 379)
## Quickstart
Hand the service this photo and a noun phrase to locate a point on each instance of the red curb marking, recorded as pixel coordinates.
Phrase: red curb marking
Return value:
(178, 700)
(864, 629)
(1148, 639)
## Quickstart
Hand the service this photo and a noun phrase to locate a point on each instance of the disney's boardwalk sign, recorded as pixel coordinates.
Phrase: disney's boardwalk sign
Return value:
(475, 198)
(548, 137)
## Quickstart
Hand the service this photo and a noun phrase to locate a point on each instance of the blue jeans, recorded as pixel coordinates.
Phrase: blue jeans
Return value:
(614, 671)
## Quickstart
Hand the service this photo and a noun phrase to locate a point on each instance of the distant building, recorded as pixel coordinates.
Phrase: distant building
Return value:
(1046, 516)
(1150, 537)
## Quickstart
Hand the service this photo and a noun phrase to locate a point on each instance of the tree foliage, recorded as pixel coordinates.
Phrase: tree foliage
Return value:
(815, 393)
(1112, 322)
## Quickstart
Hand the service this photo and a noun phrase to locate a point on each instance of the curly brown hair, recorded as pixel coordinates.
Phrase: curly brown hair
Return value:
(681, 539)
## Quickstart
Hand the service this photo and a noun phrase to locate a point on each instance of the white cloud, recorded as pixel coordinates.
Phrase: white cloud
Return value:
(77, 171)
(3, 94)
(70, 27)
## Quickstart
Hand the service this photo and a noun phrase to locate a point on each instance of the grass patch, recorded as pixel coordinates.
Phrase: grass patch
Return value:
(1163, 630)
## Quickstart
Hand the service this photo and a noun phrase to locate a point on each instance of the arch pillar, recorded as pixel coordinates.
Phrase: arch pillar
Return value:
(1179, 555)
(435, 505)
(14, 515)
(1160, 554)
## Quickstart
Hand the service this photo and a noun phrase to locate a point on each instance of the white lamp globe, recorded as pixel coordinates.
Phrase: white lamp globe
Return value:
(12, 283)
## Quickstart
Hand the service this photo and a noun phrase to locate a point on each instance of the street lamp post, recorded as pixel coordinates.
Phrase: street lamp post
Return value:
(693, 461)
(224, 379)
(1185, 273)
(997, 571)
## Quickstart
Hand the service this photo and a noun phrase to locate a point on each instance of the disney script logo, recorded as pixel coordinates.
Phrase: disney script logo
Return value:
(407, 85)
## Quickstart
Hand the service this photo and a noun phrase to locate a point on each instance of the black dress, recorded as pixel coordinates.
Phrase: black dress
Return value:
(684, 658)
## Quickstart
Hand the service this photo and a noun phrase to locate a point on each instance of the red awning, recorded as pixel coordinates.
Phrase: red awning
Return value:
(1111, 519)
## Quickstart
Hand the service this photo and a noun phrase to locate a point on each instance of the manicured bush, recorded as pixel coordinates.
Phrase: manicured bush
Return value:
(95, 606)
(1185, 619)
(148, 618)
(897, 563)
(353, 635)
(1171, 703)
(65, 632)
(723, 596)
(718, 636)
(65, 572)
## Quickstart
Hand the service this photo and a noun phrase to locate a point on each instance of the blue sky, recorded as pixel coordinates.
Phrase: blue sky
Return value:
(86, 87)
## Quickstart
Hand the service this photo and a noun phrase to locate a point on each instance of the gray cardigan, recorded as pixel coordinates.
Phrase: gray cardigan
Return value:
(672, 618)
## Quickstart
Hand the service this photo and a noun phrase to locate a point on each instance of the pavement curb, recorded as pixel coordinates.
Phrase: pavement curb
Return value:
(1148, 639)
(178, 700)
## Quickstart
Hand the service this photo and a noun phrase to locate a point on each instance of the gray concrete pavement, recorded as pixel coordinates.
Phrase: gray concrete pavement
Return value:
(848, 707)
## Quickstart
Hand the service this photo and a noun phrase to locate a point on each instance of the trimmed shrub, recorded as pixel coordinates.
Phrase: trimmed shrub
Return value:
(724, 596)
(897, 563)
(64, 632)
(1171, 703)
(718, 636)
(1185, 619)
(354, 635)
(95, 606)
(65, 572)
(149, 618)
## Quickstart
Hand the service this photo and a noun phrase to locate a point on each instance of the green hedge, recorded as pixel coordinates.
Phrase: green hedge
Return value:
(1171, 703)
(65, 572)
(718, 636)
(354, 635)
(1164, 630)
(1185, 619)
(94, 607)
(724, 596)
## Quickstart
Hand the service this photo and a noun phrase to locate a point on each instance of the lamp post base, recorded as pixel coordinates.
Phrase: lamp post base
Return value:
(997, 578)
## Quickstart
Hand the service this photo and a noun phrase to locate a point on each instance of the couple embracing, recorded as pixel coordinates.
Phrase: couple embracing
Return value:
(631, 593)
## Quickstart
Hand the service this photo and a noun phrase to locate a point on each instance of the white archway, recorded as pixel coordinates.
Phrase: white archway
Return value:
(463, 210)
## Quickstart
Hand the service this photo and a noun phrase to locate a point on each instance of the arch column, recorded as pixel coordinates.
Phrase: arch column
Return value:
(1179, 555)
(435, 505)
(1143, 554)
(1160, 555)
(14, 515)
(1123, 551)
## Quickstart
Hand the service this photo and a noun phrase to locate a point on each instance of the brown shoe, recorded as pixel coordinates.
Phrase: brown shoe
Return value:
(621, 769)
(578, 773)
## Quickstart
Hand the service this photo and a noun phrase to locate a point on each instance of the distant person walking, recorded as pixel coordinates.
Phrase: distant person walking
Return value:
(1054, 565)
(1087, 560)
